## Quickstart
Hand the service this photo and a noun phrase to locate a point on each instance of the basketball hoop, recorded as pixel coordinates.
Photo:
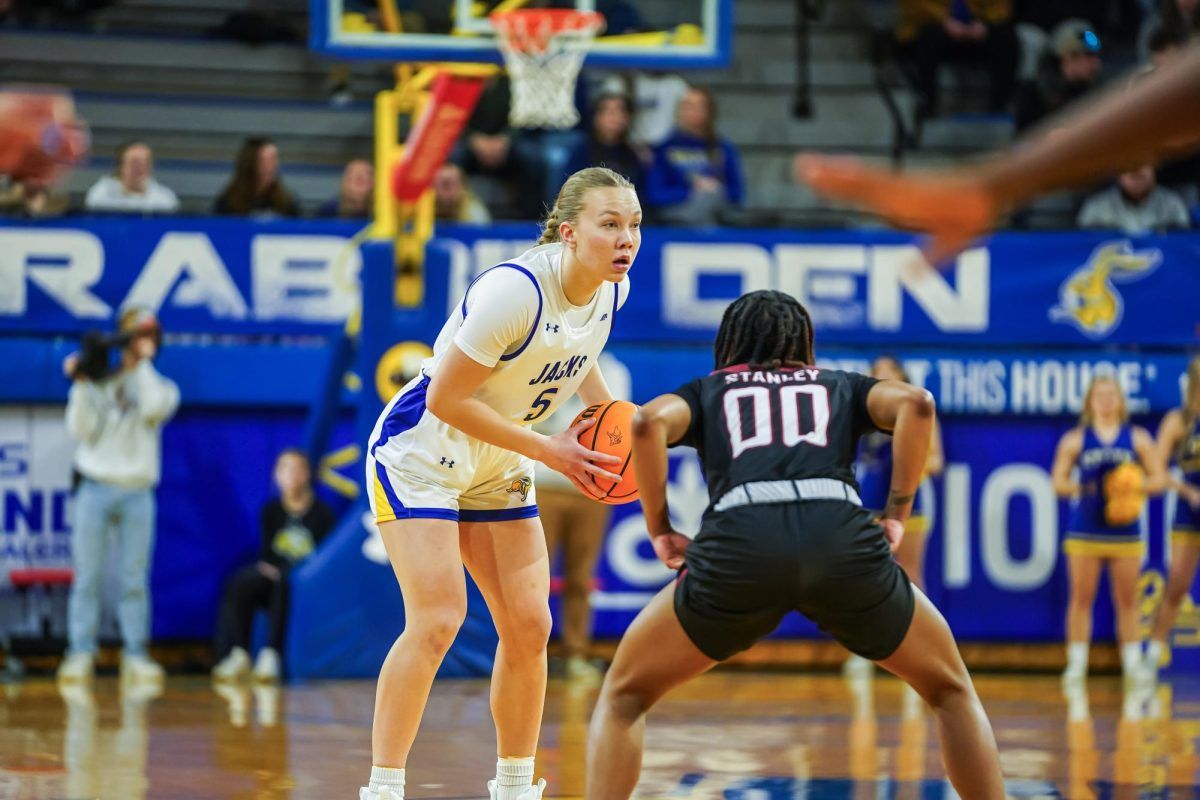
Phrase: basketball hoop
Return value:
(544, 50)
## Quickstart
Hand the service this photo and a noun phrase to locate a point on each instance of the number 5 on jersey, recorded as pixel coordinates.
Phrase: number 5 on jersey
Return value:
(541, 404)
(816, 396)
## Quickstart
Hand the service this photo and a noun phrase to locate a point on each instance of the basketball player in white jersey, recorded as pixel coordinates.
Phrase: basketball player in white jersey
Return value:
(450, 469)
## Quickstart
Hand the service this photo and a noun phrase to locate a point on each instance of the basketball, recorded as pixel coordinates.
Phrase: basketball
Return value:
(612, 434)
(1125, 479)
(1125, 494)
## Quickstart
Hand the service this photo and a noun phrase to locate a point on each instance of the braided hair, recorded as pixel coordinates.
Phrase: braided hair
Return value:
(764, 328)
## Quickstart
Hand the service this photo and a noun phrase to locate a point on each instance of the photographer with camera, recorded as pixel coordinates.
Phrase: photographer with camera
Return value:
(116, 412)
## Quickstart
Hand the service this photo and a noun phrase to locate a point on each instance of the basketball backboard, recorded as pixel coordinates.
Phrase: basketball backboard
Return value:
(659, 34)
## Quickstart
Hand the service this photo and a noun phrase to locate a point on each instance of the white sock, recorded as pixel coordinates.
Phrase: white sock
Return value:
(513, 776)
(1155, 652)
(387, 778)
(1131, 657)
(1077, 656)
(1077, 703)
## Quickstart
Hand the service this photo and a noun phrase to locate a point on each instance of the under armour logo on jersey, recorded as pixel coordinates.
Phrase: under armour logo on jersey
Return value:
(446, 462)
(551, 328)
(603, 316)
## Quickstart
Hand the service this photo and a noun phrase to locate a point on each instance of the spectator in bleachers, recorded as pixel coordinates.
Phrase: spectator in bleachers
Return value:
(132, 187)
(696, 175)
(607, 143)
(255, 188)
(1067, 70)
(354, 200)
(655, 99)
(930, 32)
(292, 525)
(32, 201)
(1136, 205)
(1178, 20)
(453, 199)
(513, 176)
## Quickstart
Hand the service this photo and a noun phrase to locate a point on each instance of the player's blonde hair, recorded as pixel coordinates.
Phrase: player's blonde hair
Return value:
(569, 202)
(1085, 413)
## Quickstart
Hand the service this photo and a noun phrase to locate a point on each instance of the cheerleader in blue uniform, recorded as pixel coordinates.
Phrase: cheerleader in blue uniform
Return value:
(1179, 440)
(1102, 442)
(874, 476)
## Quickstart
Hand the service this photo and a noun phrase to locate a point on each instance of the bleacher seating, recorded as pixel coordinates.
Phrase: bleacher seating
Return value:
(149, 70)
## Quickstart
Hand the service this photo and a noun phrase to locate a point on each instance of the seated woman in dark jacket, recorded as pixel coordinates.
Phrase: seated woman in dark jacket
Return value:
(607, 143)
(293, 524)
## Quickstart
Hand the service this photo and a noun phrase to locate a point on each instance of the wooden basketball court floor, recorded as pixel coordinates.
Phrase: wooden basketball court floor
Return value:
(731, 734)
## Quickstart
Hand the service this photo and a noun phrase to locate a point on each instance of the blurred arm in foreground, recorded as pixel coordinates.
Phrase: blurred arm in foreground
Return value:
(1124, 127)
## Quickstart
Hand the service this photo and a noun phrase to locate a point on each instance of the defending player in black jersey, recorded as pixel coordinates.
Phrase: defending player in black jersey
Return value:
(784, 530)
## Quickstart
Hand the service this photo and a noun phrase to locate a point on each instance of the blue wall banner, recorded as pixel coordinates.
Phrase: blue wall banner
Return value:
(1072, 289)
(199, 275)
(246, 276)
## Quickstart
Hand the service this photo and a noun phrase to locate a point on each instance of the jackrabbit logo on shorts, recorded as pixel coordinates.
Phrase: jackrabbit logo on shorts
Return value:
(1088, 298)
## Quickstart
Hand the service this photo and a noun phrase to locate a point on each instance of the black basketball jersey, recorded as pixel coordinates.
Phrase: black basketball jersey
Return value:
(788, 423)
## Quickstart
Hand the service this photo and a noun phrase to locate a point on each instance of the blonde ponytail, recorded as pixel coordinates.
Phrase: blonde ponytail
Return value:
(570, 199)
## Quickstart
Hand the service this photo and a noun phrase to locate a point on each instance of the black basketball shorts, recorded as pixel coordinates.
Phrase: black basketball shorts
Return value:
(827, 559)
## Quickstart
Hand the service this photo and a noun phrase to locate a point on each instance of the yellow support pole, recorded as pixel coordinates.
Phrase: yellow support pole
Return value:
(410, 225)
(386, 158)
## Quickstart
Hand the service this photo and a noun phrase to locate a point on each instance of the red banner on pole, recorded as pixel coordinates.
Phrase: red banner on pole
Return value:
(452, 99)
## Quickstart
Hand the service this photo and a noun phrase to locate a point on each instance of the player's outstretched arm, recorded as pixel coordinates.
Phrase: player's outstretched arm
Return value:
(663, 420)
(937, 454)
(909, 412)
(1122, 128)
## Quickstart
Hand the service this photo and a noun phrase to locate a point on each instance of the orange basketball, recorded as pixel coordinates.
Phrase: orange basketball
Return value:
(612, 434)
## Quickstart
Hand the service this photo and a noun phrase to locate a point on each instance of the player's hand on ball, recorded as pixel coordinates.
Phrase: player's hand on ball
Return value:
(893, 531)
(564, 453)
(670, 547)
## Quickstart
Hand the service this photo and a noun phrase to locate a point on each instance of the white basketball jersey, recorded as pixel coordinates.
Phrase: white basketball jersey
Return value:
(544, 369)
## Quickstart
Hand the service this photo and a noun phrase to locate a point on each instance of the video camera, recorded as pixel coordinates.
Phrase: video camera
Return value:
(95, 362)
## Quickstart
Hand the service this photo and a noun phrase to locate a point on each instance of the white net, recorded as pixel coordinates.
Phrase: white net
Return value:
(544, 53)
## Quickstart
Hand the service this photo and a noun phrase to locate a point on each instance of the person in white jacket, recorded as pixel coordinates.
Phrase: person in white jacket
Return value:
(132, 189)
(117, 422)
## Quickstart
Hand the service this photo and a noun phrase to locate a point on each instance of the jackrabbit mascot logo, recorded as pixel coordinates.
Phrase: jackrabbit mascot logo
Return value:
(1088, 298)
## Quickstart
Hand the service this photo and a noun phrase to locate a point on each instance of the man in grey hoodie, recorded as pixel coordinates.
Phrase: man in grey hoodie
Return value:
(117, 420)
